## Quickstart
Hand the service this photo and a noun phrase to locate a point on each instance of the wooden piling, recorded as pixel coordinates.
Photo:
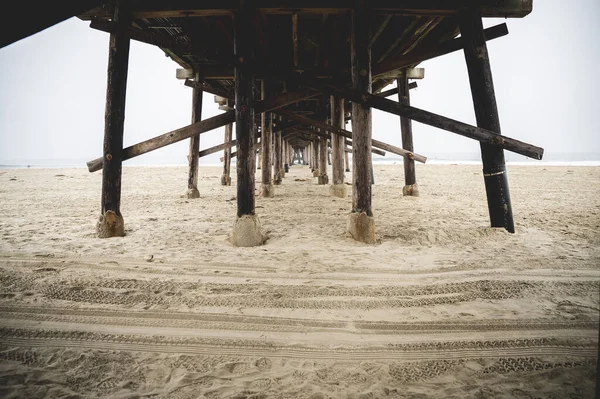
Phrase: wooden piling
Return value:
(486, 113)
(277, 164)
(111, 222)
(361, 224)
(410, 180)
(226, 178)
(338, 142)
(315, 157)
(192, 191)
(266, 119)
(244, 113)
(247, 231)
(323, 178)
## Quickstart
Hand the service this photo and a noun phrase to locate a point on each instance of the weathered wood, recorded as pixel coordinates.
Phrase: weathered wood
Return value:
(211, 8)
(486, 113)
(277, 164)
(347, 157)
(210, 89)
(360, 51)
(315, 156)
(204, 126)
(266, 139)
(323, 178)
(244, 112)
(170, 138)
(376, 143)
(194, 145)
(114, 119)
(406, 131)
(391, 92)
(28, 18)
(373, 149)
(431, 119)
(228, 135)
(420, 55)
(221, 147)
(295, 37)
(337, 141)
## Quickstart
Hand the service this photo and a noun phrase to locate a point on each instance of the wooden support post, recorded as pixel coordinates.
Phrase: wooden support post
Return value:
(286, 157)
(266, 120)
(192, 191)
(277, 164)
(338, 143)
(323, 178)
(347, 157)
(315, 157)
(226, 178)
(361, 224)
(247, 231)
(111, 222)
(282, 149)
(486, 113)
(410, 180)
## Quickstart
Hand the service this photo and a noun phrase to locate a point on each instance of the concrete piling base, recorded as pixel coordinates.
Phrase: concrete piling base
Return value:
(267, 191)
(110, 225)
(192, 193)
(362, 227)
(247, 232)
(338, 190)
(411, 190)
(226, 180)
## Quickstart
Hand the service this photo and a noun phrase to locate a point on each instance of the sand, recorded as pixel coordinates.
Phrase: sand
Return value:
(442, 306)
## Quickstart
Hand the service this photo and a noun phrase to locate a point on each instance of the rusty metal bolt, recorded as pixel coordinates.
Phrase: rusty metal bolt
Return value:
(108, 157)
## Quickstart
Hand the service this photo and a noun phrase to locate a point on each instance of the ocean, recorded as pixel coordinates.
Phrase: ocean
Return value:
(550, 158)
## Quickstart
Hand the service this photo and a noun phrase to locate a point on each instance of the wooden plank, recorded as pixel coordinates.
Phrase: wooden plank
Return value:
(424, 54)
(114, 120)
(486, 113)
(327, 127)
(194, 8)
(431, 119)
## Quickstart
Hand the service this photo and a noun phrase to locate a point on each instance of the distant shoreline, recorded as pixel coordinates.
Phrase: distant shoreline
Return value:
(375, 162)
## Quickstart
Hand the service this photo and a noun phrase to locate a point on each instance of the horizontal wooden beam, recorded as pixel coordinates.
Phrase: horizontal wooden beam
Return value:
(431, 119)
(217, 148)
(424, 54)
(208, 8)
(210, 89)
(391, 92)
(204, 126)
(342, 132)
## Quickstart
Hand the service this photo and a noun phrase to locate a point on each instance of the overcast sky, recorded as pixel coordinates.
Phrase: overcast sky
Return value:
(53, 90)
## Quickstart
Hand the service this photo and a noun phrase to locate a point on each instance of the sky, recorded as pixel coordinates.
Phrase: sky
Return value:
(53, 92)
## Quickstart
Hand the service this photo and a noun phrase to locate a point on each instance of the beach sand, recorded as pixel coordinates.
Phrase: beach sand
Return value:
(442, 306)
